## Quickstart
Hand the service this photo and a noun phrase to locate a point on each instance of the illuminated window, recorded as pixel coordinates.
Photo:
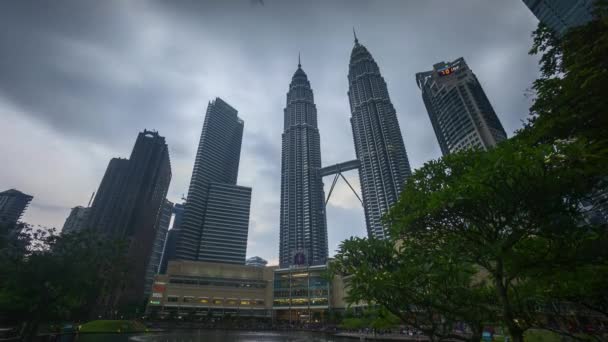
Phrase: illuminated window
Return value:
(245, 302)
(231, 302)
(203, 300)
(188, 299)
(217, 301)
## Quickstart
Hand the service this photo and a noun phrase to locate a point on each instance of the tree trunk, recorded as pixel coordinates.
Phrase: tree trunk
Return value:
(476, 332)
(31, 330)
(517, 334)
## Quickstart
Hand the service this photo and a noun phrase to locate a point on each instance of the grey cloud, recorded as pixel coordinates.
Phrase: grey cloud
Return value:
(94, 73)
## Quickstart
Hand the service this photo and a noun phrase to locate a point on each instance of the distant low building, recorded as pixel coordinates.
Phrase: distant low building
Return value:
(206, 289)
(76, 221)
(256, 261)
(201, 290)
(12, 206)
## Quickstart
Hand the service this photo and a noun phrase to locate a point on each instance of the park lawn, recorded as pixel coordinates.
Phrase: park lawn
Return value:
(112, 326)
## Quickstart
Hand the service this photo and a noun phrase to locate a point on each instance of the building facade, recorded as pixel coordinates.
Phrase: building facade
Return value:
(106, 208)
(76, 221)
(12, 206)
(561, 15)
(226, 225)
(128, 204)
(162, 228)
(379, 147)
(460, 112)
(203, 289)
(256, 261)
(216, 206)
(200, 291)
(303, 225)
(172, 237)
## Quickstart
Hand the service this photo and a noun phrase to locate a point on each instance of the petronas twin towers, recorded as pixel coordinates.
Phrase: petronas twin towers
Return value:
(382, 159)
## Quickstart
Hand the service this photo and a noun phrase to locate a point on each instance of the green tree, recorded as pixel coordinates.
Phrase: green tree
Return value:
(514, 212)
(58, 277)
(571, 95)
(424, 289)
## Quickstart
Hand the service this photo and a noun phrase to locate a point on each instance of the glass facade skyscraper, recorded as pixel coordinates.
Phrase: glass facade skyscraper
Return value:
(12, 205)
(460, 112)
(216, 215)
(162, 228)
(378, 141)
(76, 221)
(128, 204)
(561, 15)
(303, 226)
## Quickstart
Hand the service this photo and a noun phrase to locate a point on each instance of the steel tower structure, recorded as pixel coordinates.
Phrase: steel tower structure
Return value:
(379, 147)
(303, 225)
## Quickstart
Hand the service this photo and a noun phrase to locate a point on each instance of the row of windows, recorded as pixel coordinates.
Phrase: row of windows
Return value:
(299, 301)
(216, 301)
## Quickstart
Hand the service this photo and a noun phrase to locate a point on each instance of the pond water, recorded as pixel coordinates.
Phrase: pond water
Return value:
(217, 336)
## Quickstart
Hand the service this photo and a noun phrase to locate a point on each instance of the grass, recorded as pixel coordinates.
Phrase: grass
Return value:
(537, 335)
(112, 326)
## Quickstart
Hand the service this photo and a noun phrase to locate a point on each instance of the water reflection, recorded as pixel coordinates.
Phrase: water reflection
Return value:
(217, 336)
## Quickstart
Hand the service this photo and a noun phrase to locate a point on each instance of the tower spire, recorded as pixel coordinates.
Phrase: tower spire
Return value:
(355, 34)
(299, 64)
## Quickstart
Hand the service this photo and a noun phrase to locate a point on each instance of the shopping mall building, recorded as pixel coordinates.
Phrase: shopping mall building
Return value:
(204, 289)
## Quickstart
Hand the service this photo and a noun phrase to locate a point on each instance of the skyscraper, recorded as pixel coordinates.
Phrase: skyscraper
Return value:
(459, 109)
(128, 204)
(12, 205)
(216, 215)
(172, 237)
(561, 15)
(303, 226)
(106, 209)
(378, 141)
(76, 221)
(162, 227)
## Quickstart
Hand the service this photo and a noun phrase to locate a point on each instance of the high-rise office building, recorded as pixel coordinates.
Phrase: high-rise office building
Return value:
(378, 142)
(106, 209)
(561, 15)
(303, 225)
(226, 224)
(128, 204)
(460, 112)
(12, 205)
(76, 221)
(216, 215)
(172, 237)
(162, 228)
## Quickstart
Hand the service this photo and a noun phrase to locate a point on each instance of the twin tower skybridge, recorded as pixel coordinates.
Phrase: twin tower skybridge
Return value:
(337, 170)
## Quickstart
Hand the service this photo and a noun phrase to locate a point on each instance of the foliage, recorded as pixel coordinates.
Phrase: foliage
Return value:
(112, 326)
(56, 277)
(376, 318)
(513, 211)
(421, 288)
(571, 95)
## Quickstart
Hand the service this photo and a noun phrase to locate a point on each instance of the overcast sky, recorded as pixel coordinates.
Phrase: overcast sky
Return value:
(79, 79)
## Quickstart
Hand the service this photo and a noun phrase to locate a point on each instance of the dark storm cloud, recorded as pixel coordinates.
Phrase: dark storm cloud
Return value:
(81, 78)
